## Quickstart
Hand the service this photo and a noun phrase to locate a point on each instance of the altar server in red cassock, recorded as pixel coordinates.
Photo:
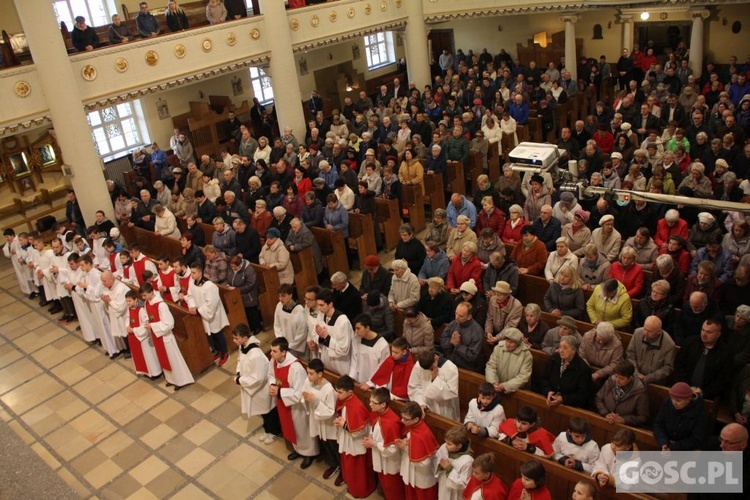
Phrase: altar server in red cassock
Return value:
(126, 272)
(286, 377)
(525, 434)
(145, 359)
(394, 372)
(353, 424)
(418, 459)
(484, 485)
(141, 263)
(167, 278)
(386, 428)
(182, 281)
(156, 318)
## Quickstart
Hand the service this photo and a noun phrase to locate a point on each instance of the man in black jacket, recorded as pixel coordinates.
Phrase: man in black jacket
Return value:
(705, 361)
(206, 208)
(346, 297)
(246, 240)
(83, 37)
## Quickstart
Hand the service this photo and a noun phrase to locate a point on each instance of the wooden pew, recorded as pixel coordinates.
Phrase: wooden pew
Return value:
(333, 249)
(362, 236)
(473, 170)
(559, 479)
(494, 162)
(389, 220)
(434, 192)
(412, 200)
(456, 183)
(268, 292)
(191, 338)
(304, 270)
(554, 420)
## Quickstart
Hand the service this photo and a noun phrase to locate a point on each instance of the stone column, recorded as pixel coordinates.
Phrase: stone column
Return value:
(60, 85)
(627, 31)
(571, 58)
(697, 41)
(283, 70)
(417, 55)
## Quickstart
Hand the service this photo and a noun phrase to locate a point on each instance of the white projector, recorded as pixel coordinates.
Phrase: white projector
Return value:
(543, 156)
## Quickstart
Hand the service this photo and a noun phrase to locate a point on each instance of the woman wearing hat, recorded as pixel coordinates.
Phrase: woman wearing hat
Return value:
(509, 366)
(438, 231)
(436, 303)
(682, 420)
(705, 231)
(504, 311)
(565, 295)
(469, 293)
(538, 196)
(577, 232)
(606, 238)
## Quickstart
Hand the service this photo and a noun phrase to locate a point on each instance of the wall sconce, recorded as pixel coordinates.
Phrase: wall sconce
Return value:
(644, 16)
(541, 39)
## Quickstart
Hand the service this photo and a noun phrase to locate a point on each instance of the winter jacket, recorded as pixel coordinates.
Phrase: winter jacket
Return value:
(305, 239)
(681, 430)
(569, 301)
(436, 266)
(456, 241)
(277, 256)
(646, 254)
(609, 247)
(224, 241)
(438, 233)
(499, 318)
(698, 238)
(719, 361)
(602, 360)
(421, 337)
(508, 273)
(574, 385)
(380, 280)
(439, 308)
(548, 233)
(535, 337)
(633, 408)
(631, 277)
(724, 265)
(596, 274)
(412, 252)
(404, 291)
(246, 281)
(655, 361)
(337, 218)
(619, 312)
(382, 318)
(484, 251)
(533, 258)
(555, 263)
(663, 309)
(216, 269)
(663, 231)
(469, 353)
(460, 272)
(511, 233)
(576, 240)
(494, 220)
(510, 368)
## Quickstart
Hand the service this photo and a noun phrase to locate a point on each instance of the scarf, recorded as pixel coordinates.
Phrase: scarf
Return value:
(620, 392)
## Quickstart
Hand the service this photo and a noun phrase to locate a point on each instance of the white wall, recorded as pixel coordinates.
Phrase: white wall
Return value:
(720, 41)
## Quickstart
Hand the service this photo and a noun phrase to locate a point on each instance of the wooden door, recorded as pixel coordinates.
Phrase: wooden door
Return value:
(439, 40)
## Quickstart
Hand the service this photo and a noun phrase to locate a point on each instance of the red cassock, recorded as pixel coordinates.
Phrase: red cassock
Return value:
(492, 489)
(391, 429)
(539, 437)
(356, 469)
(112, 260)
(516, 490)
(285, 413)
(127, 271)
(422, 445)
(139, 266)
(167, 280)
(184, 284)
(139, 361)
(395, 372)
(152, 310)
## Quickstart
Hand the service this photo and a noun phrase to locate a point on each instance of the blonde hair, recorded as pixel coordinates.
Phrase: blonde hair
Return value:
(572, 273)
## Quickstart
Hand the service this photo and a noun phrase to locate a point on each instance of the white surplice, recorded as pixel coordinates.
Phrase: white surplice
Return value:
(439, 395)
(179, 375)
(306, 445)
(321, 410)
(253, 369)
(207, 300)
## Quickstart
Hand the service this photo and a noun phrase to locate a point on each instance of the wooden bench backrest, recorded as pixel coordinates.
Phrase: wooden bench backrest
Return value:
(493, 162)
(333, 248)
(412, 200)
(303, 263)
(434, 192)
(456, 182)
(362, 235)
(389, 219)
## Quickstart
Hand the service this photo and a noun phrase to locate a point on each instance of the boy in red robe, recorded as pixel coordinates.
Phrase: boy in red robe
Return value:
(167, 277)
(141, 263)
(182, 277)
(386, 457)
(134, 343)
(353, 424)
(394, 371)
(483, 483)
(525, 434)
(418, 460)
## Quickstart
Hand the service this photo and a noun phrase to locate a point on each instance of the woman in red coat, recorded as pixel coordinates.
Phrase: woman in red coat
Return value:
(628, 272)
(512, 230)
(490, 216)
(304, 184)
(465, 266)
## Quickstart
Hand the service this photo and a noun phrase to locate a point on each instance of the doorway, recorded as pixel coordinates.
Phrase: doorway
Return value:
(439, 40)
(665, 36)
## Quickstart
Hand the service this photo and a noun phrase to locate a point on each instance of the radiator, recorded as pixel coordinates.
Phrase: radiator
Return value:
(114, 169)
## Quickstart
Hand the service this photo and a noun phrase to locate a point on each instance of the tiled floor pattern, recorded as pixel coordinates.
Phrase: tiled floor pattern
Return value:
(110, 434)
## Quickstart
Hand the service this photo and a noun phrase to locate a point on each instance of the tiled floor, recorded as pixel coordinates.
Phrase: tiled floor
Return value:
(110, 434)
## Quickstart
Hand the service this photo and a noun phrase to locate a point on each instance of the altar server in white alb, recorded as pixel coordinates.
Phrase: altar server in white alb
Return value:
(101, 256)
(73, 276)
(203, 298)
(58, 265)
(290, 321)
(453, 463)
(12, 250)
(145, 359)
(156, 318)
(251, 373)
(39, 261)
(369, 350)
(434, 385)
(286, 378)
(320, 400)
(485, 413)
(333, 338)
(90, 288)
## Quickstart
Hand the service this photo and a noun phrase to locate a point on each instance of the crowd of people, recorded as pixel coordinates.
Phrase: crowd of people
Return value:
(457, 287)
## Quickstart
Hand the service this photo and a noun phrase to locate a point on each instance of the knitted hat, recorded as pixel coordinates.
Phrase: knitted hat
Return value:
(372, 261)
(567, 197)
(373, 298)
(625, 127)
(583, 214)
(744, 311)
(606, 218)
(681, 391)
(469, 286)
(273, 233)
(706, 218)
